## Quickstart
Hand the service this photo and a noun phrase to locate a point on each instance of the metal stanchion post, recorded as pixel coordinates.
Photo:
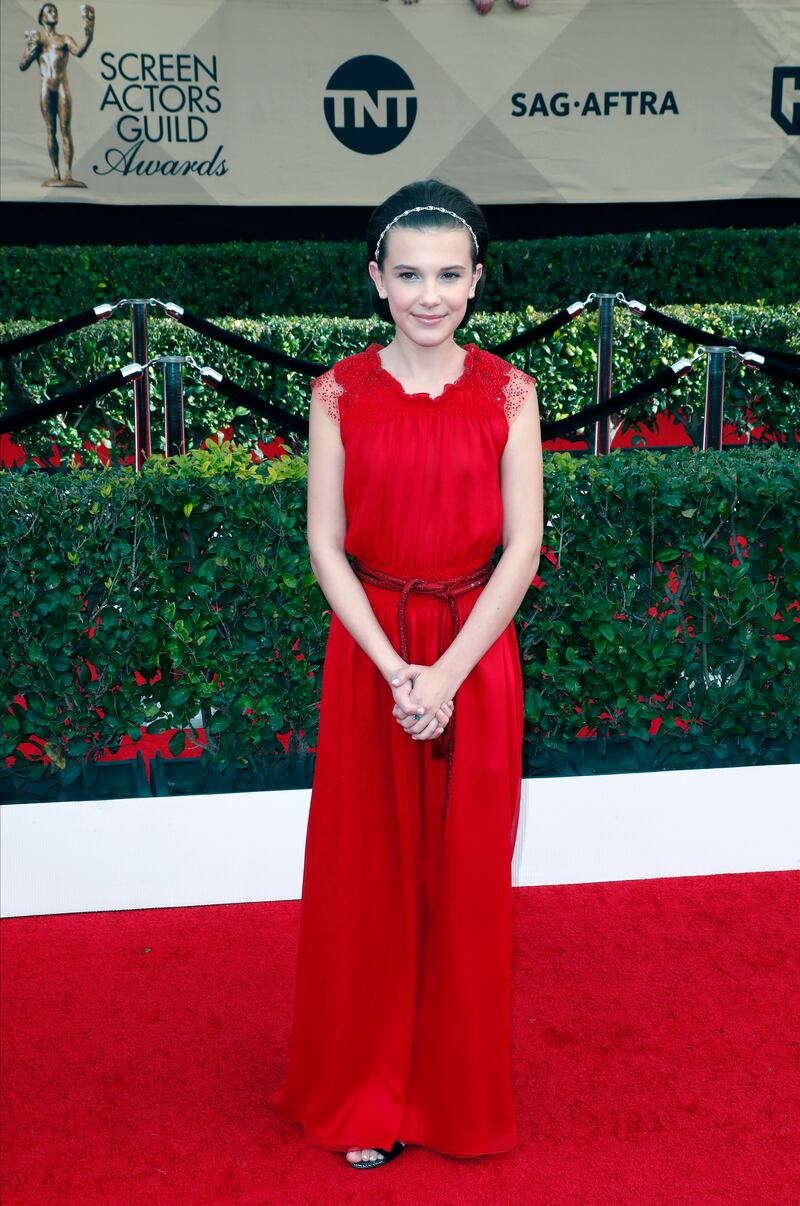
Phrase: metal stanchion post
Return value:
(174, 434)
(605, 349)
(141, 388)
(715, 394)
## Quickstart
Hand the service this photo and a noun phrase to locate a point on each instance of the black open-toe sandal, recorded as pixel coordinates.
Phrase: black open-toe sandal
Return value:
(385, 1157)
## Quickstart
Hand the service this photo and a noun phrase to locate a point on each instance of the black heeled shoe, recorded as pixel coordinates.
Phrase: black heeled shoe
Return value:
(395, 1150)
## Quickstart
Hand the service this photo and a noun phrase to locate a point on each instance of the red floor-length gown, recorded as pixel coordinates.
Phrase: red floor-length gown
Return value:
(402, 996)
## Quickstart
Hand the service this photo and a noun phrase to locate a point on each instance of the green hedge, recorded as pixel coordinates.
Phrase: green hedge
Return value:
(565, 367)
(247, 280)
(668, 596)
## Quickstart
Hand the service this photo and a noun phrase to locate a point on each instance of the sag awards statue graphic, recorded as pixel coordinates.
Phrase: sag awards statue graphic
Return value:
(52, 50)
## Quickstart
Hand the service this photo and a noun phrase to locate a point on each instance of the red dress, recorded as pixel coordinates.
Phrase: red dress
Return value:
(402, 994)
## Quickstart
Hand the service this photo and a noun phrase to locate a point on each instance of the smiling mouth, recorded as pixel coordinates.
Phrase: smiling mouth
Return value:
(430, 317)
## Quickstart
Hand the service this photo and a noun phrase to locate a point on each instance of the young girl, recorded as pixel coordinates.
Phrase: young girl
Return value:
(424, 457)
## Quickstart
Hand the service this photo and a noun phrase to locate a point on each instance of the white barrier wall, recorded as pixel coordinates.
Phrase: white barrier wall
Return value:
(197, 850)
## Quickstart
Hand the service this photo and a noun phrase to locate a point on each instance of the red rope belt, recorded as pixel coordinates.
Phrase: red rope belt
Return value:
(448, 589)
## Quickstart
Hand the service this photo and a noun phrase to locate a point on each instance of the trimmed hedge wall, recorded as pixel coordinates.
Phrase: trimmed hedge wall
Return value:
(666, 618)
(252, 279)
(564, 365)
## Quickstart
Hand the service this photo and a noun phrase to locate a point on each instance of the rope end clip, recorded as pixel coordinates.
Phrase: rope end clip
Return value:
(131, 372)
(685, 365)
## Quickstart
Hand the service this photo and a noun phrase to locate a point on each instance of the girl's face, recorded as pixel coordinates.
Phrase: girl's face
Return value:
(427, 279)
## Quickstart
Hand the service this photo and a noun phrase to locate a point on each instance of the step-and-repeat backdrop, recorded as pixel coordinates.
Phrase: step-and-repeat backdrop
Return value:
(309, 102)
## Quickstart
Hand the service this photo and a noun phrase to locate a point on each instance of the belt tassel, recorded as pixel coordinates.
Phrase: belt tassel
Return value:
(448, 589)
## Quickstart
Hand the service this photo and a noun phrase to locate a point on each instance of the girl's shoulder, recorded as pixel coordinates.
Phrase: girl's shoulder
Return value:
(348, 369)
(346, 374)
(496, 367)
(504, 382)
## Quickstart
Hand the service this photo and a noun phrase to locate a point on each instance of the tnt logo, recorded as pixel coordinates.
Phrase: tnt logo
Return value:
(370, 104)
(786, 98)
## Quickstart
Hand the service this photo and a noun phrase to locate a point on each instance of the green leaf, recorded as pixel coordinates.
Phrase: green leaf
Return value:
(177, 743)
(220, 721)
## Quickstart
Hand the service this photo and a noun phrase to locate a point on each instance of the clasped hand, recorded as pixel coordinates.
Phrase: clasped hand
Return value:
(417, 687)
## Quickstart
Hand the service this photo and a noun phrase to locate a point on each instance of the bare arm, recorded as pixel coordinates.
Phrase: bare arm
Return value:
(87, 12)
(523, 524)
(32, 48)
(326, 533)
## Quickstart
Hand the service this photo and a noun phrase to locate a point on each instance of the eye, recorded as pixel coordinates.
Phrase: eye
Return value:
(406, 275)
(452, 276)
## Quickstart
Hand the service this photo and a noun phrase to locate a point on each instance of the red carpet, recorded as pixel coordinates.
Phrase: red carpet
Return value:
(656, 1056)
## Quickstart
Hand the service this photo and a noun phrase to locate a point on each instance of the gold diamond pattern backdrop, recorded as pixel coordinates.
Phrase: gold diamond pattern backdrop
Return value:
(309, 102)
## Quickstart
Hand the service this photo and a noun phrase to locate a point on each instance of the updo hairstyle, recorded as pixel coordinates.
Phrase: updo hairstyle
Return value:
(426, 192)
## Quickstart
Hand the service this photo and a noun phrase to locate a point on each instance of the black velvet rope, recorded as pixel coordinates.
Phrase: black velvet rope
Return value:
(711, 338)
(257, 350)
(23, 343)
(18, 420)
(312, 369)
(526, 338)
(15, 421)
(283, 419)
(776, 368)
(629, 397)
(783, 366)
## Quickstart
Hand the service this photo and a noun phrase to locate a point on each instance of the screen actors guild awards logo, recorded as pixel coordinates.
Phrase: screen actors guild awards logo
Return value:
(51, 51)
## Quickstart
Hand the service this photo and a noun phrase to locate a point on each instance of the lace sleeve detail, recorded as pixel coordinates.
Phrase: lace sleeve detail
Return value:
(515, 390)
(327, 391)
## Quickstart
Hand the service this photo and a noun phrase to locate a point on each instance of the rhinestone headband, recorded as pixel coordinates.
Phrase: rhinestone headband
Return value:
(419, 209)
